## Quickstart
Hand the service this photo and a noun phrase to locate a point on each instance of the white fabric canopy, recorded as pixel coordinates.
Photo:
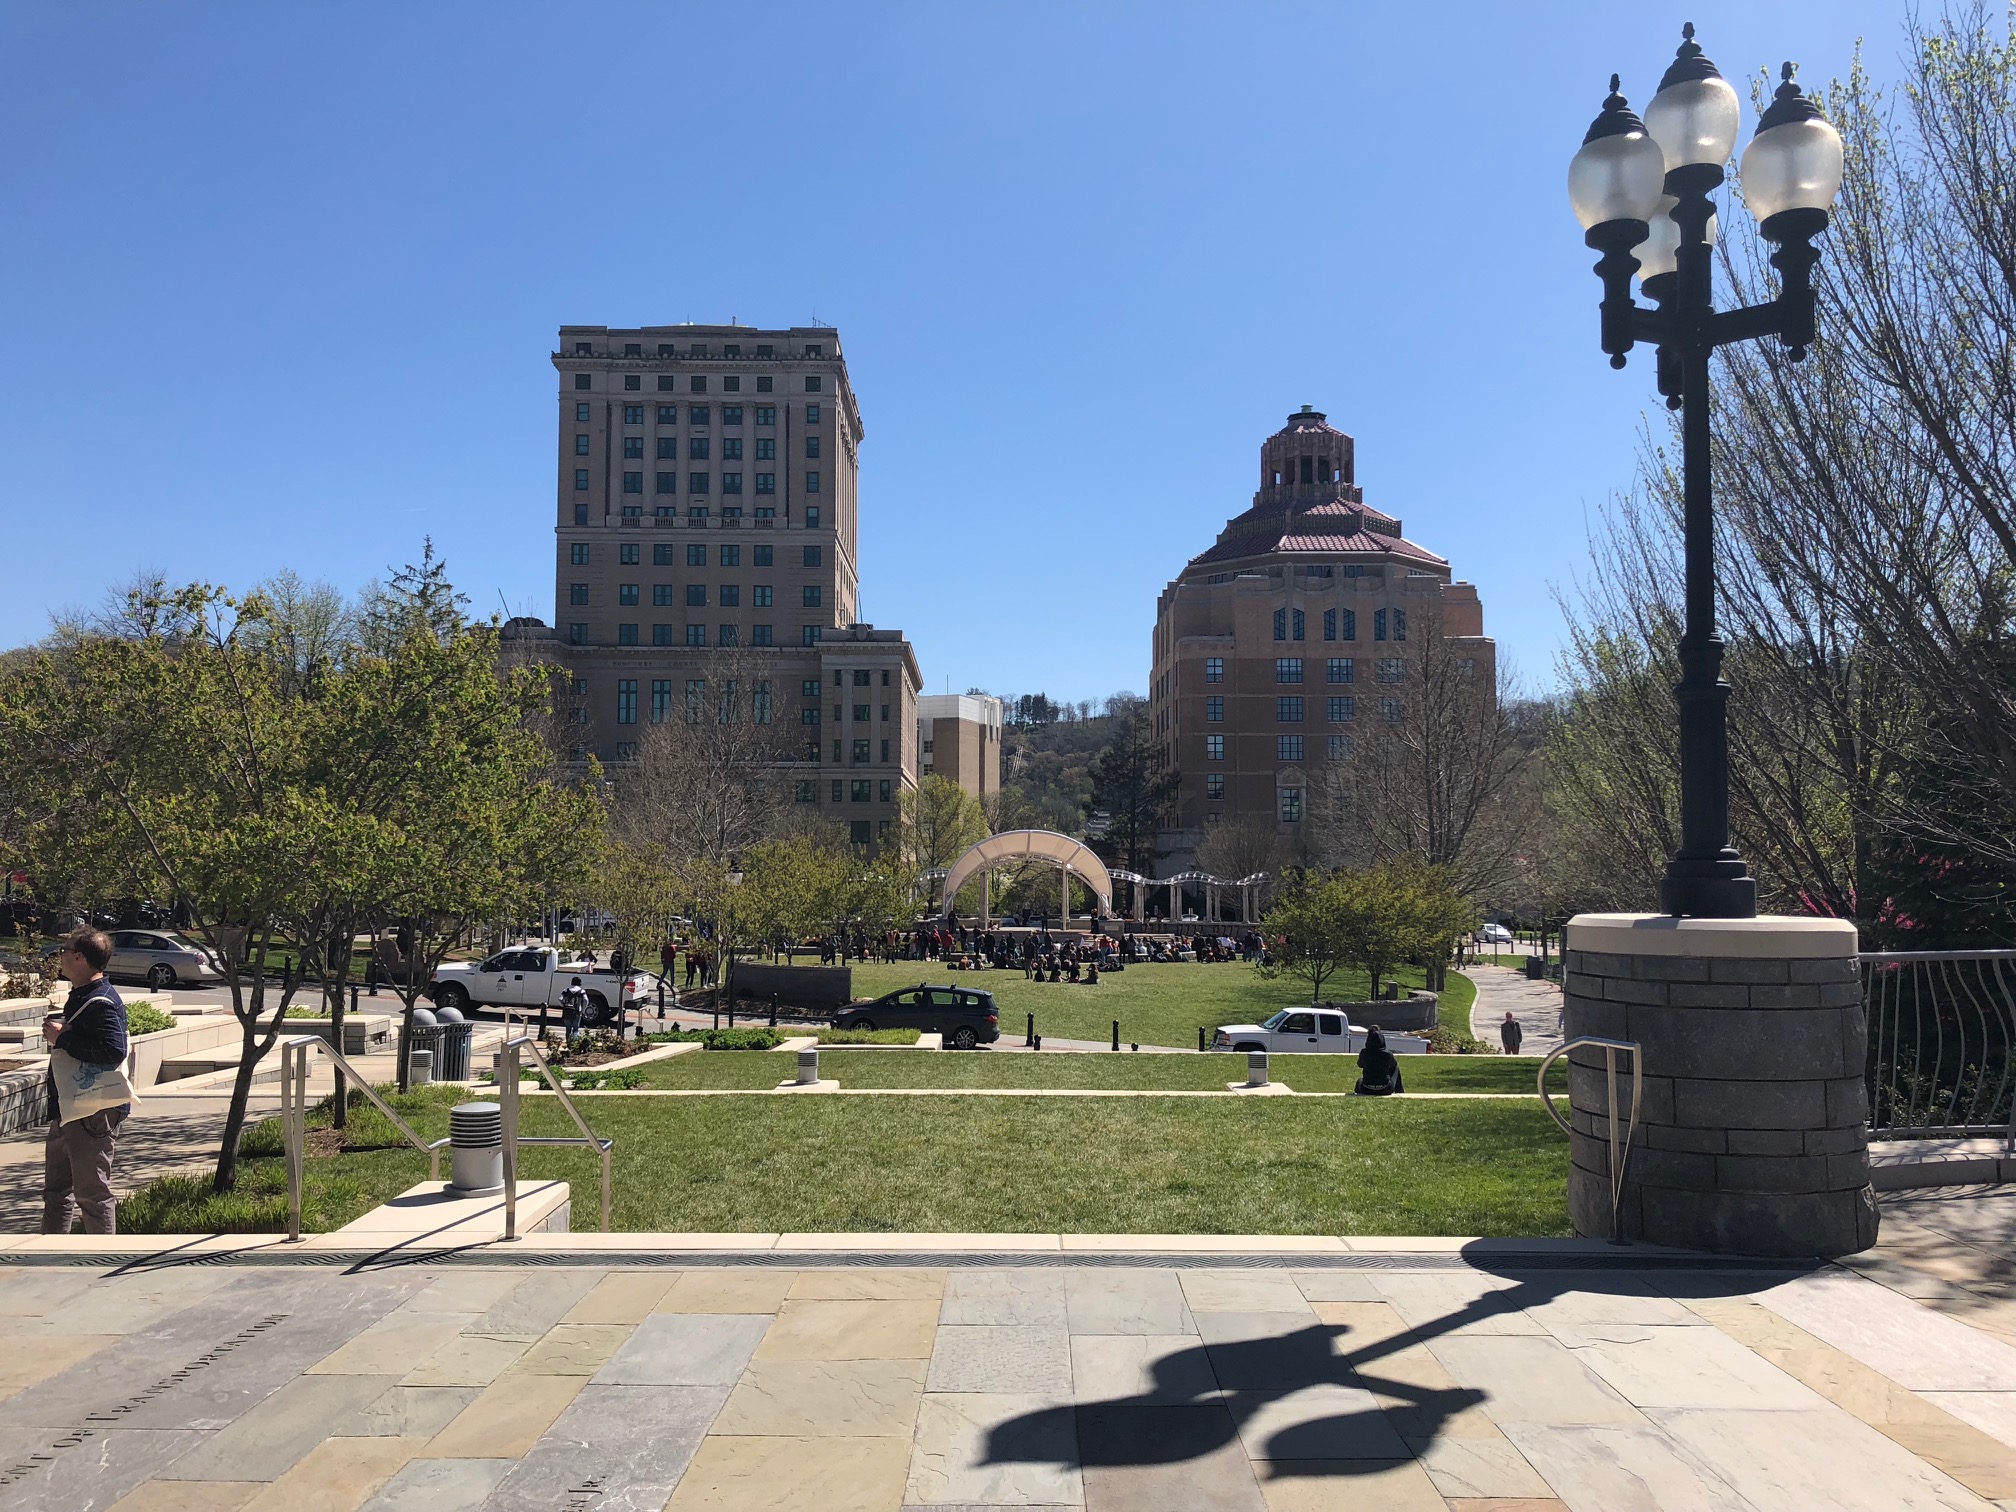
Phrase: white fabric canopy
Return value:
(1060, 851)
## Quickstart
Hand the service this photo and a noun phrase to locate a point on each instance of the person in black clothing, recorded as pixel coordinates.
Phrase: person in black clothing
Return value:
(77, 1155)
(1378, 1070)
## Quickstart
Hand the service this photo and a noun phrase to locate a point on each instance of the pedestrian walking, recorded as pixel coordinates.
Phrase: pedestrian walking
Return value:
(1510, 1034)
(89, 1093)
(573, 1008)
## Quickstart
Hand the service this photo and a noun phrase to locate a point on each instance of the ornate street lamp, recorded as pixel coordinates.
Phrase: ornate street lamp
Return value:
(1641, 191)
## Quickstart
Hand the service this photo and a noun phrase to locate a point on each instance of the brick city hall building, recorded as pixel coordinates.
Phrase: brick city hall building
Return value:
(1295, 638)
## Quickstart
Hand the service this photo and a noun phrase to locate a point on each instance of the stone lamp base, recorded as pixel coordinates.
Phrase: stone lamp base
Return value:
(1753, 1130)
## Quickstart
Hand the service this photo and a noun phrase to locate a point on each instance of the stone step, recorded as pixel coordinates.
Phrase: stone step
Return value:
(186, 1066)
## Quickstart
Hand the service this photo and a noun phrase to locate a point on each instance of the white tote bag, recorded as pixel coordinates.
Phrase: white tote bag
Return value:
(83, 1088)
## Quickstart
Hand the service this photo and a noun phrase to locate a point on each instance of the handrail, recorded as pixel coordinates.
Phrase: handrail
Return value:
(1619, 1155)
(294, 1117)
(507, 1101)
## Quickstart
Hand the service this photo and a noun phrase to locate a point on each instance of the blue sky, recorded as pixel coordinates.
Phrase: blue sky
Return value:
(282, 281)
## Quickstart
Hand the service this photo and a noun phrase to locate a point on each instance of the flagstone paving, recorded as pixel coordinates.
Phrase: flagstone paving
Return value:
(1405, 1381)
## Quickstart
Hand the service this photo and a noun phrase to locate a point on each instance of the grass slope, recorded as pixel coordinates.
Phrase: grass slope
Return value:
(1081, 1165)
(1086, 1070)
(1156, 1004)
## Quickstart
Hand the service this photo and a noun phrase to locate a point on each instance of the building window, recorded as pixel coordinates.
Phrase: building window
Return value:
(1391, 710)
(626, 595)
(1379, 624)
(811, 446)
(1316, 572)
(766, 483)
(666, 384)
(811, 482)
(731, 595)
(812, 387)
(633, 482)
(696, 556)
(811, 556)
(696, 595)
(578, 553)
(1214, 747)
(697, 448)
(577, 634)
(759, 635)
(808, 792)
(885, 720)
(728, 636)
(1291, 804)
(859, 789)
(839, 790)
(731, 414)
(1281, 624)
(766, 449)
(885, 789)
(1287, 747)
(696, 483)
(627, 555)
(1287, 669)
(581, 413)
(668, 483)
(633, 380)
(1214, 709)
(1340, 747)
(1392, 669)
(1337, 669)
(862, 713)
(580, 514)
(696, 384)
(1466, 668)
(661, 699)
(759, 596)
(759, 706)
(1298, 620)
(731, 556)
(626, 701)
(1288, 711)
(731, 446)
(633, 414)
(1329, 624)
(1214, 669)
(661, 635)
(809, 715)
(731, 483)
(583, 381)
(581, 480)
(696, 635)
(810, 635)
(1348, 619)
(811, 595)
(661, 555)
(860, 752)
(668, 450)
(1342, 709)
(731, 385)
(581, 446)
(626, 635)
(577, 593)
(697, 512)
(762, 556)
(1214, 787)
(1399, 624)
(811, 516)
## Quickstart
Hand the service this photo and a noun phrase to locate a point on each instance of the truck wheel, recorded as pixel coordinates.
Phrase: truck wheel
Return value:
(866, 1025)
(452, 995)
(963, 1038)
(599, 1008)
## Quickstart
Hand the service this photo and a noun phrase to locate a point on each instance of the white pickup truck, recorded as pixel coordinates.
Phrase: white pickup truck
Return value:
(1309, 1031)
(531, 977)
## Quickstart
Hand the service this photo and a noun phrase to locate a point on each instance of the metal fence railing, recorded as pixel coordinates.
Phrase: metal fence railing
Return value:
(1941, 1027)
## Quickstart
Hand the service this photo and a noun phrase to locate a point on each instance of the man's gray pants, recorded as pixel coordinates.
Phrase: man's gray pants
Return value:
(77, 1173)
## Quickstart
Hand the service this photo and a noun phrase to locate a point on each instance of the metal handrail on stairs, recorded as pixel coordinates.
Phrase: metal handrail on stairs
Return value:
(1620, 1155)
(507, 1066)
(294, 1117)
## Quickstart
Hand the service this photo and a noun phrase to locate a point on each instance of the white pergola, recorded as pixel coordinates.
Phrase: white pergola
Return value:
(1248, 888)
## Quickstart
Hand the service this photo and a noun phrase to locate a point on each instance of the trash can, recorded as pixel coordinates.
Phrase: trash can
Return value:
(451, 1051)
(1536, 969)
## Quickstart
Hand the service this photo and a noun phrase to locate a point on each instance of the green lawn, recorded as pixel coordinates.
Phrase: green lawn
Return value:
(1091, 1070)
(953, 1164)
(1156, 1005)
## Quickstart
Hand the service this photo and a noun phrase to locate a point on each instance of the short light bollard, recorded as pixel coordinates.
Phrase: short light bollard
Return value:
(808, 1067)
(476, 1149)
(1256, 1068)
(420, 1066)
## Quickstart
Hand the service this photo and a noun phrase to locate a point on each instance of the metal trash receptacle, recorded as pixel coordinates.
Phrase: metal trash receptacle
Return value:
(451, 1051)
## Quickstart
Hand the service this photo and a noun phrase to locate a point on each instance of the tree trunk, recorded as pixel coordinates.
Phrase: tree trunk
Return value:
(226, 1176)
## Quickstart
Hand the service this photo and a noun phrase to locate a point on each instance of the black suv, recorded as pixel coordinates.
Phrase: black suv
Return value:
(964, 1017)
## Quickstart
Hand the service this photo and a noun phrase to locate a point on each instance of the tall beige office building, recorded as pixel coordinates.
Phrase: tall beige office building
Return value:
(707, 527)
(959, 738)
(1296, 636)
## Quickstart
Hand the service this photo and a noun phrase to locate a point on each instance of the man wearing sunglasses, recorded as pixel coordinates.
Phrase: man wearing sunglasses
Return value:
(77, 1156)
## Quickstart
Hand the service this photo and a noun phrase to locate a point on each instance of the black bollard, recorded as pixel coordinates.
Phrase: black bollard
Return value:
(773, 1010)
(661, 997)
(731, 1013)
(1116, 1034)
(717, 1015)
(1200, 1039)
(1039, 1042)
(1029, 1034)
(371, 976)
(542, 1023)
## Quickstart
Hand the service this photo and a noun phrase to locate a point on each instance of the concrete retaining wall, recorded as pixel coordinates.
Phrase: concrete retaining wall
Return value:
(824, 989)
(1418, 1010)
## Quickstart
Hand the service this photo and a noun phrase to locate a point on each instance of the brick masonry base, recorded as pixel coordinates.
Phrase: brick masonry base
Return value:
(1753, 1129)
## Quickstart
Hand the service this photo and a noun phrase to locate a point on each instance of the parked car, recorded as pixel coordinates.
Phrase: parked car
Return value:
(966, 1018)
(1494, 934)
(528, 977)
(1297, 1031)
(160, 958)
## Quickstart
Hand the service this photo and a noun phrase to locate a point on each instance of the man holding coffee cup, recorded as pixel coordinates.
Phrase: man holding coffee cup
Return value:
(89, 1094)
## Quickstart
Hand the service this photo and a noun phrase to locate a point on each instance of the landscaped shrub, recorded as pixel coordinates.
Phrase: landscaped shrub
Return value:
(865, 1036)
(144, 1018)
(1443, 1040)
(621, 1080)
(721, 1039)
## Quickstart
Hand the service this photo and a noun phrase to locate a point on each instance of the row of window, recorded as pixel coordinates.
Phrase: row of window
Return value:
(697, 349)
(1340, 624)
(663, 554)
(668, 483)
(727, 710)
(855, 791)
(694, 635)
(1290, 798)
(858, 751)
(729, 595)
(1289, 747)
(863, 713)
(698, 448)
(696, 414)
(696, 383)
(700, 512)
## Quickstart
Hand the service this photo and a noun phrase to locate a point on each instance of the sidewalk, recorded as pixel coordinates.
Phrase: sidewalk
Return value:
(1536, 1005)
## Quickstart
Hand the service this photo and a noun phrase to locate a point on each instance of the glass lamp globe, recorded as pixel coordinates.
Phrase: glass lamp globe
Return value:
(1794, 162)
(1694, 121)
(1619, 173)
(1659, 252)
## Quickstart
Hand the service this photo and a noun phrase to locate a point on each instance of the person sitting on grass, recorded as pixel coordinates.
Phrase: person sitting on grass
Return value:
(1091, 973)
(1378, 1070)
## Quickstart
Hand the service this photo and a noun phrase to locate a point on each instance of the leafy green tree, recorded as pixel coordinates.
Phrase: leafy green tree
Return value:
(1373, 919)
(1130, 784)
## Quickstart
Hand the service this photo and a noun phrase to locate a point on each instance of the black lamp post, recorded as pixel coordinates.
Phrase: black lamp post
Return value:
(1641, 191)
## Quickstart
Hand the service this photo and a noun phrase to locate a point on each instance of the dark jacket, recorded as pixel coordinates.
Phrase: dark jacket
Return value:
(94, 1029)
